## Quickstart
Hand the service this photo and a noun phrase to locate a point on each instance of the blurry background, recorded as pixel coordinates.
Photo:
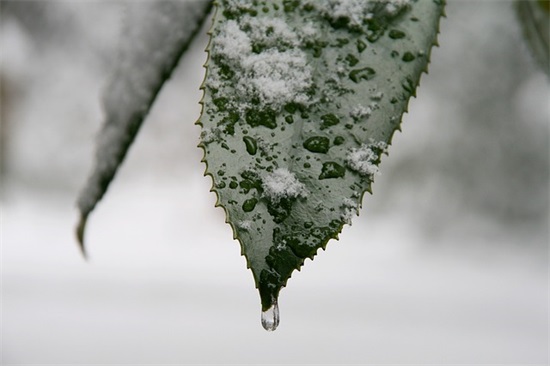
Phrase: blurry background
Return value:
(448, 262)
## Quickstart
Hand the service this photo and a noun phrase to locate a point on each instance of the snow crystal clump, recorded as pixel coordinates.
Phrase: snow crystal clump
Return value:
(363, 159)
(350, 210)
(278, 74)
(282, 184)
(309, 30)
(233, 42)
(351, 9)
(245, 225)
(360, 112)
(271, 32)
(393, 7)
(278, 77)
(356, 11)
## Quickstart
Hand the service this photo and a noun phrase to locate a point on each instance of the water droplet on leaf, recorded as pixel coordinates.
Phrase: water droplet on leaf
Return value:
(332, 170)
(249, 204)
(338, 140)
(251, 145)
(396, 34)
(270, 317)
(329, 120)
(361, 46)
(357, 75)
(265, 118)
(317, 144)
(408, 57)
(352, 60)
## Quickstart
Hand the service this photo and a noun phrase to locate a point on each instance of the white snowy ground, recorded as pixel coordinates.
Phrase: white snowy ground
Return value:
(436, 270)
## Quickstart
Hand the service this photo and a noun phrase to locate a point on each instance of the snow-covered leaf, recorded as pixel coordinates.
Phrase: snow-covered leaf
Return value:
(155, 35)
(301, 99)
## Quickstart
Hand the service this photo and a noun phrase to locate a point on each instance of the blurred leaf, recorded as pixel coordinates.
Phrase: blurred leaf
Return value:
(301, 100)
(155, 35)
(535, 20)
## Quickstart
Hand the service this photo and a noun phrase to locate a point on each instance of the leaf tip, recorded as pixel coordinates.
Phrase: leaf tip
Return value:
(80, 229)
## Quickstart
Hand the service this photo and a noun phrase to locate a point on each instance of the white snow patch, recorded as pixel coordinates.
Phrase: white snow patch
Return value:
(281, 246)
(279, 74)
(278, 77)
(245, 225)
(394, 6)
(233, 43)
(309, 30)
(282, 184)
(350, 209)
(271, 32)
(357, 11)
(352, 9)
(363, 159)
(238, 4)
(360, 112)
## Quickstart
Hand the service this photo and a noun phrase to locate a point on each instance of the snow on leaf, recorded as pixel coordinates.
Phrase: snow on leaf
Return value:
(282, 184)
(156, 34)
(365, 159)
(305, 95)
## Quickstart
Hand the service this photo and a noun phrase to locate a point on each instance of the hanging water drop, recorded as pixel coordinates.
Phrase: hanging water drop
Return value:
(270, 317)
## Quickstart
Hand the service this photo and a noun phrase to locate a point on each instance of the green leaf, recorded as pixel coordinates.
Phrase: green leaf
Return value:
(156, 34)
(301, 99)
(535, 19)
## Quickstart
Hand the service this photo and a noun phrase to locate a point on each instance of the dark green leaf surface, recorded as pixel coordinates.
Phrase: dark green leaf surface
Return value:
(301, 100)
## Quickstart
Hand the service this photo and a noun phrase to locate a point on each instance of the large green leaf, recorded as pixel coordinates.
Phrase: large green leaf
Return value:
(301, 99)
